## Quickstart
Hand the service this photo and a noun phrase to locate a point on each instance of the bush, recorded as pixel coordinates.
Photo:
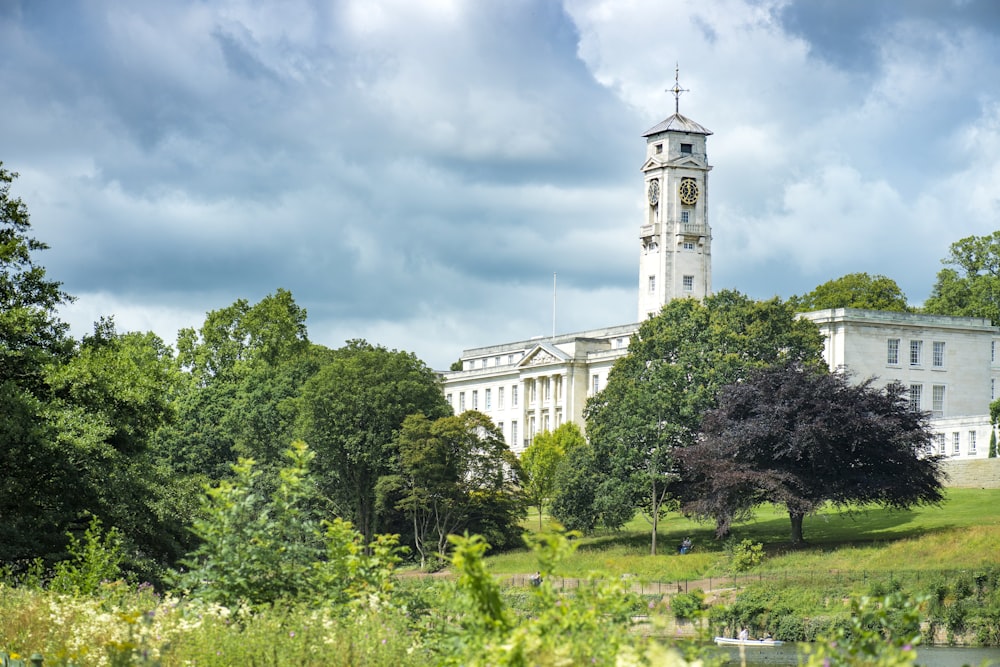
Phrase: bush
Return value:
(955, 616)
(687, 606)
(878, 632)
(746, 555)
(92, 560)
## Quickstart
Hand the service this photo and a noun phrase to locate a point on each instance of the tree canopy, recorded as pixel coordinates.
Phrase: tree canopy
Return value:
(541, 460)
(657, 393)
(800, 437)
(972, 287)
(855, 290)
(448, 468)
(351, 412)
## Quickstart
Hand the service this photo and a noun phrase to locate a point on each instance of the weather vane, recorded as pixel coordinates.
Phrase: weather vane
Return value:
(677, 90)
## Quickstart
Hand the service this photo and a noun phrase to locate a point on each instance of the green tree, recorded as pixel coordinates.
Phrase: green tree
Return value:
(576, 480)
(656, 394)
(972, 287)
(801, 438)
(260, 548)
(447, 467)
(37, 476)
(351, 412)
(244, 368)
(855, 290)
(541, 460)
(268, 331)
(107, 402)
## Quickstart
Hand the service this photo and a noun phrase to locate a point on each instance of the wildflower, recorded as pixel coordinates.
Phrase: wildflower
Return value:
(291, 633)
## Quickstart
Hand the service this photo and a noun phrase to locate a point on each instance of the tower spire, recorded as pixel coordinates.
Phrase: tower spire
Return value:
(677, 90)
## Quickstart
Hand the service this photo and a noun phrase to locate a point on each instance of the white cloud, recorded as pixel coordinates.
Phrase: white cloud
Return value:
(415, 171)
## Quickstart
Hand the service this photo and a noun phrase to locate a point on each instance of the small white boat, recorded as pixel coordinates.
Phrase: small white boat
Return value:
(729, 641)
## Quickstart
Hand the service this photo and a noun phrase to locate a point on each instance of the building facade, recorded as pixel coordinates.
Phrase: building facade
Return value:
(948, 364)
(536, 385)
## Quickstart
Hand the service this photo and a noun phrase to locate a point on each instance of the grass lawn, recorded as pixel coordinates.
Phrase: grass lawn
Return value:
(962, 532)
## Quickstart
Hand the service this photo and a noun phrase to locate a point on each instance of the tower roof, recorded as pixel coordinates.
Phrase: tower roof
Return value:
(677, 123)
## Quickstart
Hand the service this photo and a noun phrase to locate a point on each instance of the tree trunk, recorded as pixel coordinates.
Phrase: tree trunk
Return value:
(656, 516)
(539, 516)
(796, 518)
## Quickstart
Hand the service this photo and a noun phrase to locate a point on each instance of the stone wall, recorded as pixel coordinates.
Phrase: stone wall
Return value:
(973, 473)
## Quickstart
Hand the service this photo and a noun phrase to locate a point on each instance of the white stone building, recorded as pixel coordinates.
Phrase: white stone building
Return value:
(949, 364)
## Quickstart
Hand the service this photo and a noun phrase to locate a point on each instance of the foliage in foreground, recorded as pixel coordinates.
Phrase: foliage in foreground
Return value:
(258, 550)
(468, 621)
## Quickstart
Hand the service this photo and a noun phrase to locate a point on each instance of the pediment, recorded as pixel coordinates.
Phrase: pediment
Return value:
(687, 161)
(543, 354)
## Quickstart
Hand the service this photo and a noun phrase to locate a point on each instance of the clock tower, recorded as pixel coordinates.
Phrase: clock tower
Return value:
(675, 256)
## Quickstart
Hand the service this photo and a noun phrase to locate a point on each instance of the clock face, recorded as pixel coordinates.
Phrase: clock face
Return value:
(688, 191)
(654, 192)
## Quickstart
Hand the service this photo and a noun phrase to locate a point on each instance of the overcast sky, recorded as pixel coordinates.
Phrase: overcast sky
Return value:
(414, 172)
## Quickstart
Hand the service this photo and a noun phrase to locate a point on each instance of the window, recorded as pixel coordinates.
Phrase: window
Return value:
(688, 245)
(545, 422)
(595, 384)
(496, 361)
(972, 442)
(993, 351)
(652, 284)
(937, 400)
(500, 427)
(510, 358)
(500, 398)
(513, 434)
(531, 429)
(993, 389)
(685, 149)
(475, 399)
(688, 283)
(915, 391)
(915, 348)
(892, 352)
(939, 440)
(685, 216)
(558, 419)
(954, 443)
(461, 401)
(447, 398)
(658, 148)
(548, 389)
(513, 396)
(938, 360)
(486, 398)
(484, 363)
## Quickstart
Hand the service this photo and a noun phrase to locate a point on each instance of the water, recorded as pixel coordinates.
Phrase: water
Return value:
(927, 656)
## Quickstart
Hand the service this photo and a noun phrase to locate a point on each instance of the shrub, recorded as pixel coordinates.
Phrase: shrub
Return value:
(955, 616)
(791, 628)
(746, 555)
(92, 560)
(878, 632)
(687, 606)
(259, 549)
